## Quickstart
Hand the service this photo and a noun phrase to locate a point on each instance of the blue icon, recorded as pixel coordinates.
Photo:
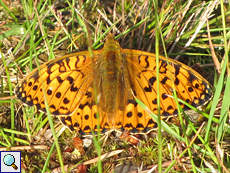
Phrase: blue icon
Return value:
(9, 160)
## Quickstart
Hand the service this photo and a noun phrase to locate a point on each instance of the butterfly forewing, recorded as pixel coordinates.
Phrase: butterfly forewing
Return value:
(188, 84)
(64, 81)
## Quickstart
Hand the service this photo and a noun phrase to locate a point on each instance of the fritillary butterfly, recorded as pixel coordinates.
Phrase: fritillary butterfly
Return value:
(121, 75)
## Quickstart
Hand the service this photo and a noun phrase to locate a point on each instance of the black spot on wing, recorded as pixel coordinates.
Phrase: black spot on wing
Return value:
(66, 100)
(49, 92)
(70, 79)
(58, 95)
(48, 80)
(35, 87)
(59, 79)
(190, 89)
(139, 114)
(132, 102)
(164, 96)
(163, 81)
(67, 62)
(176, 81)
(151, 81)
(129, 114)
(86, 117)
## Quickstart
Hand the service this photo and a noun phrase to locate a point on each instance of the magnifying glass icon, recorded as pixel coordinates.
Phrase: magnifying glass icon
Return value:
(9, 160)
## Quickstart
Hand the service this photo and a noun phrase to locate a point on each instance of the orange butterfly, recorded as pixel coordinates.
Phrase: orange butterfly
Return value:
(119, 75)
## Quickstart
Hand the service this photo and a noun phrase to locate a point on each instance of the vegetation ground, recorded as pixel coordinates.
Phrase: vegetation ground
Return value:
(193, 32)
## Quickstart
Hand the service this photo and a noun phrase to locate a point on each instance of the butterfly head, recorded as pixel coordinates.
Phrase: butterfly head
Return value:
(111, 42)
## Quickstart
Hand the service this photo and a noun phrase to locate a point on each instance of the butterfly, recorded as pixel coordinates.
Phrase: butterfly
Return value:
(85, 92)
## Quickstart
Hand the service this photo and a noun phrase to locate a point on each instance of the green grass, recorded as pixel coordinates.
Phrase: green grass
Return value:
(38, 33)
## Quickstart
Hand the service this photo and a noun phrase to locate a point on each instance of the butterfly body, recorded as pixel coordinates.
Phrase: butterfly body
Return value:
(77, 88)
